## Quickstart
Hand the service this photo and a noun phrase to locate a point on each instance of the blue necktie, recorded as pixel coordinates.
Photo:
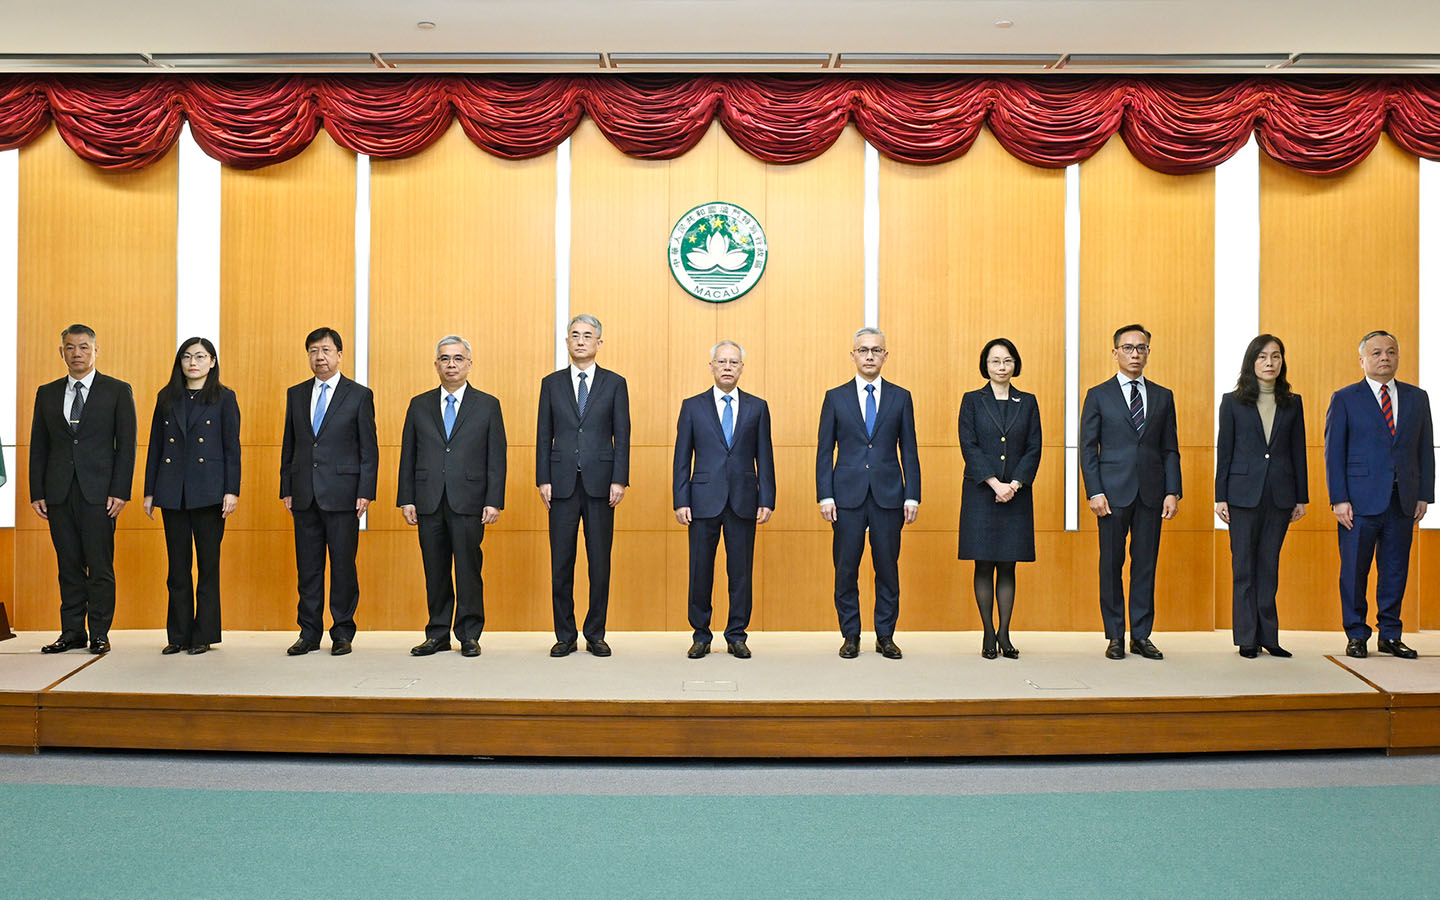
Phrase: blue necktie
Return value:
(449, 415)
(1137, 406)
(869, 410)
(582, 395)
(319, 409)
(727, 421)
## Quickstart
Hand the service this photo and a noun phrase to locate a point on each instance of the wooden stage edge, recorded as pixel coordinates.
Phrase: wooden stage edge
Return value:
(1409, 723)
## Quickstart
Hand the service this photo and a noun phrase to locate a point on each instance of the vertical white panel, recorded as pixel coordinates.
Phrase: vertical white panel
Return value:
(360, 342)
(1429, 347)
(197, 244)
(1072, 347)
(562, 252)
(1237, 267)
(9, 323)
(872, 236)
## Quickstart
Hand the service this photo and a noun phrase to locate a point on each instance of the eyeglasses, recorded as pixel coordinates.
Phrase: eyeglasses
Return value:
(447, 360)
(870, 351)
(195, 357)
(1132, 349)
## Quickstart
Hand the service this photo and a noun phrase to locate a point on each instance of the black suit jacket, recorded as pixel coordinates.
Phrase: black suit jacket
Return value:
(1017, 457)
(100, 454)
(339, 465)
(468, 469)
(194, 455)
(595, 446)
(848, 464)
(1121, 463)
(709, 475)
(1244, 459)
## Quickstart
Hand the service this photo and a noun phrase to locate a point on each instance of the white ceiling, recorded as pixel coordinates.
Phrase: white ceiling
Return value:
(1049, 27)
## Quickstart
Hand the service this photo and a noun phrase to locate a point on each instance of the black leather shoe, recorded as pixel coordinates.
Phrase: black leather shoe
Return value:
(697, 650)
(597, 648)
(102, 646)
(198, 649)
(737, 649)
(430, 646)
(62, 643)
(1008, 650)
(850, 648)
(302, 647)
(172, 648)
(886, 647)
(1145, 649)
(562, 648)
(1116, 650)
(1395, 648)
(1355, 648)
(1277, 651)
(469, 648)
(339, 647)
(1249, 652)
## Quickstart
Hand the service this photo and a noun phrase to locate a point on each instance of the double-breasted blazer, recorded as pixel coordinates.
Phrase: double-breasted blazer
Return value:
(194, 456)
(467, 469)
(339, 465)
(1244, 459)
(709, 475)
(593, 448)
(99, 454)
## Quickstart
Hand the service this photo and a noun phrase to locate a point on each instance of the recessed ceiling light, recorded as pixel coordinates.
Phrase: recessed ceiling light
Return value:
(1004, 23)
(424, 24)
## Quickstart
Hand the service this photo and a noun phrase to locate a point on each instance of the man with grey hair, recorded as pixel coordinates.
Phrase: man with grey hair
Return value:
(82, 460)
(582, 467)
(724, 485)
(1380, 470)
(451, 485)
(867, 479)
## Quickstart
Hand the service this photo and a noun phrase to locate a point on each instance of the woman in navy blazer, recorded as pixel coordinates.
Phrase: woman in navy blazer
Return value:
(1261, 486)
(192, 472)
(1000, 440)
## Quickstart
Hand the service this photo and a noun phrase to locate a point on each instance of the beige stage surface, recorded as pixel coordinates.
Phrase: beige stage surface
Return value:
(1061, 696)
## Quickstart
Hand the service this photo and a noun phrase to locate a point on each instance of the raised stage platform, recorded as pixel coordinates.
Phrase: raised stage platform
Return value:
(795, 698)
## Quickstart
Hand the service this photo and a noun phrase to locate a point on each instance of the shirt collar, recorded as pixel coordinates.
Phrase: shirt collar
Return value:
(1126, 379)
(589, 373)
(719, 395)
(88, 380)
(860, 384)
(459, 393)
(333, 381)
(1375, 385)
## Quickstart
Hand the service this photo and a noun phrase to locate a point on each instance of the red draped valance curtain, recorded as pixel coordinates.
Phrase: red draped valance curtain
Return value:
(1171, 124)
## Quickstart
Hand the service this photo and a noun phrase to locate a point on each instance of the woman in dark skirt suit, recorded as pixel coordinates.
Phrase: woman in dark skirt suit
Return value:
(1000, 439)
(192, 473)
(1261, 486)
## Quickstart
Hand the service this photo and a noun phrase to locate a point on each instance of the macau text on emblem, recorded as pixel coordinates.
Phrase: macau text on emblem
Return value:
(717, 251)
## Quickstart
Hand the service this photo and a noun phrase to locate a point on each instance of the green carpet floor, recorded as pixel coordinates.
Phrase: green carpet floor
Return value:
(61, 841)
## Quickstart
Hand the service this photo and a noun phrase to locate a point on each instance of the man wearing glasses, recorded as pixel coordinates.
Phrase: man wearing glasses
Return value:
(1130, 457)
(867, 477)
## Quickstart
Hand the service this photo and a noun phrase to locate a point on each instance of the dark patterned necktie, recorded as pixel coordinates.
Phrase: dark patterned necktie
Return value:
(78, 406)
(1137, 407)
(1387, 409)
(582, 396)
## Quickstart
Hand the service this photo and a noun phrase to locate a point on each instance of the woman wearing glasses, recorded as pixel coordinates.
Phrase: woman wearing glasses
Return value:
(192, 473)
(1261, 486)
(1000, 440)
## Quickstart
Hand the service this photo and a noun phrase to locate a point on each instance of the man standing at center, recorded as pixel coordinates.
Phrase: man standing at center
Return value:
(1130, 457)
(582, 467)
(867, 477)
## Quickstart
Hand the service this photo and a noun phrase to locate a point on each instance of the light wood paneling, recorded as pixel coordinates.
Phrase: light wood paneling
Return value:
(97, 248)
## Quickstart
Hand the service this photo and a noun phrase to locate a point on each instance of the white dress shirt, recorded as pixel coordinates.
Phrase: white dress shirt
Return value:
(575, 379)
(459, 396)
(69, 396)
(1144, 394)
(334, 382)
(720, 396)
(1394, 396)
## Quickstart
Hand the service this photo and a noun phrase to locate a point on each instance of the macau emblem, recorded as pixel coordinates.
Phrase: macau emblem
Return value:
(717, 252)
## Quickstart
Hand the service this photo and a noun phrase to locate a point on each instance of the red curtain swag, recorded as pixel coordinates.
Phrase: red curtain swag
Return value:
(1171, 124)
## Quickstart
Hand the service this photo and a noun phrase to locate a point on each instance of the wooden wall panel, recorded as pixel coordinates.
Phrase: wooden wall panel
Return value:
(1338, 258)
(98, 248)
(287, 266)
(1147, 256)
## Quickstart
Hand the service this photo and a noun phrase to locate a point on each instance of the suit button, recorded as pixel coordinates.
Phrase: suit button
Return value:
(582, 431)
(167, 459)
(447, 449)
(202, 459)
(207, 421)
(167, 421)
(1002, 457)
(201, 440)
(1267, 456)
(1002, 439)
(76, 441)
(867, 465)
(172, 440)
(314, 465)
(869, 446)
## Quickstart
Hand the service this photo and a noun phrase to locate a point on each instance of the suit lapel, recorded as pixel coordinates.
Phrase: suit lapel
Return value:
(712, 416)
(1117, 394)
(853, 398)
(1376, 414)
(342, 390)
(434, 400)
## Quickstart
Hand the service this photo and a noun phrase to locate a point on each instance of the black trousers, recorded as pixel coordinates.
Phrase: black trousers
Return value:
(450, 540)
(1138, 524)
(1256, 535)
(566, 516)
(194, 616)
(848, 545)
(84, 538)
(318, 533)
(739, 533)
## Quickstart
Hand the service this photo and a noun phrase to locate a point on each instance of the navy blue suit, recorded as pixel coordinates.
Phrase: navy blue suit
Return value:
(869, 477)
(1382, 478)
(724, 486)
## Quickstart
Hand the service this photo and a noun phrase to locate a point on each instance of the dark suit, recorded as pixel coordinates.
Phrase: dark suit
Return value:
(725, 486)
(323, 475)
(74, 473)
(192, 463)
(1382, 478)
(1003, 441)
(1135, 471)
(580, 456)
(1262, 481)
(869, 478)
(450, 481)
